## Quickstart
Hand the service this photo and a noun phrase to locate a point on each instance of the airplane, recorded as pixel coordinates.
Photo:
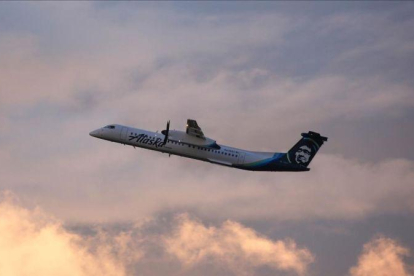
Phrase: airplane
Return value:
(193, 144)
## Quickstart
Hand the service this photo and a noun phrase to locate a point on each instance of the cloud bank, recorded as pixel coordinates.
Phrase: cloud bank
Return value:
(46, 247)
(182, 245)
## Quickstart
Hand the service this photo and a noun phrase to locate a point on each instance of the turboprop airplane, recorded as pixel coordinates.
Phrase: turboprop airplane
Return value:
(193, 144)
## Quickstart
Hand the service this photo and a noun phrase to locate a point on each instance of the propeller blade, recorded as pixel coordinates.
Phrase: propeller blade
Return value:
(166, 133)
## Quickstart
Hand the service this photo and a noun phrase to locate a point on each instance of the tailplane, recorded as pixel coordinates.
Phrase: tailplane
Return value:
(303, 151)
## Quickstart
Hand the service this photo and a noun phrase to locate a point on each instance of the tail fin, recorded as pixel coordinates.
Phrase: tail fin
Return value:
(303, 151)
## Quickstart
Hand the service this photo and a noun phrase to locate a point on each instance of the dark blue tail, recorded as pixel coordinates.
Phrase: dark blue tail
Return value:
(303, 151)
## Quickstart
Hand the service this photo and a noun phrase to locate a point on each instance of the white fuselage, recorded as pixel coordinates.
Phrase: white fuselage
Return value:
(135, 137)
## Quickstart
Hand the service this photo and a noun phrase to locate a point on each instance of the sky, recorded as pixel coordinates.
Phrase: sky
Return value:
(254, 75)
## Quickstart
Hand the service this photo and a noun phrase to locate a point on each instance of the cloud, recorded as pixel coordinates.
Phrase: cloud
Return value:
(382, 257)
(181, 245)
(235, 246)
(33, 243)
(130, 56)
(114, 63)
(46, 247)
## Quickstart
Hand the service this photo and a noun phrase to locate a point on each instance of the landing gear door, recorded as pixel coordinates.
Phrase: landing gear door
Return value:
(124, 132)
(241, 158)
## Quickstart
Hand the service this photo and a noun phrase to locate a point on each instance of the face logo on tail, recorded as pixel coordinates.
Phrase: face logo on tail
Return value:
(303, 154)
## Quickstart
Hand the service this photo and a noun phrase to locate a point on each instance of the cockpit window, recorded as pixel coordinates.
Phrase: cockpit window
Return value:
(111, 127)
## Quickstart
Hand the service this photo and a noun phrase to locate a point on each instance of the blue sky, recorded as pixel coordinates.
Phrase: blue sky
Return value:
(254, 76)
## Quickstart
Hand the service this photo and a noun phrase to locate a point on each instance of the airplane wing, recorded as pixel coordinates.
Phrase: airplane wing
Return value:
(194, 130)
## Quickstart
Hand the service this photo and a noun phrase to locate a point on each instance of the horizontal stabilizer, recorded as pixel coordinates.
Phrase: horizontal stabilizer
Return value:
(315, 136)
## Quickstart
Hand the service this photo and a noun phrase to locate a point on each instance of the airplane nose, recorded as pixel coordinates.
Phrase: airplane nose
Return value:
(94, 133)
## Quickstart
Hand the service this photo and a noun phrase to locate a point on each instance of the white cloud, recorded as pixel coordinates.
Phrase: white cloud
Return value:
(32, 243)
(234, 246)
(45, 247)
(382, 257)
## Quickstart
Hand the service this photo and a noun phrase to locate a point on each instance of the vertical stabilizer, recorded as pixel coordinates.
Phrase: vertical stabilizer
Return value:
(303, 151)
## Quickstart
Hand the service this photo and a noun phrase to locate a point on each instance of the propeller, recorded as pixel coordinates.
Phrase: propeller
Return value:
(165, 132)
